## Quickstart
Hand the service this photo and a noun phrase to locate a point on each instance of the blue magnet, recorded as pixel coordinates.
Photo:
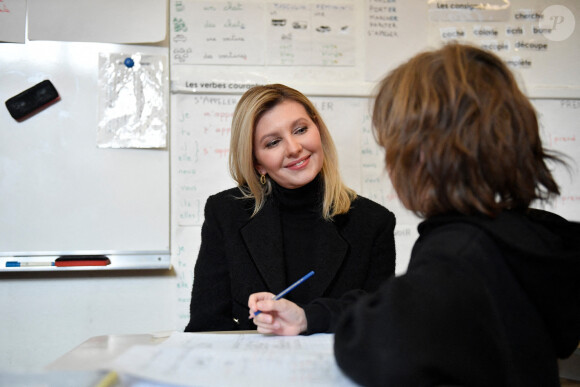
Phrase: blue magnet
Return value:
(129, 62)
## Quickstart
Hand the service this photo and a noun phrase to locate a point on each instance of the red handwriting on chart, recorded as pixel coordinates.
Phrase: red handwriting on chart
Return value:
(564, 139)
(223, 131)
(4, 7)
(570, 198)
(221, 152)
(223, 116)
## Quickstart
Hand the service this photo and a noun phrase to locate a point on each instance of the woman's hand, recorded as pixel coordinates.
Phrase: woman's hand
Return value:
(278, 317)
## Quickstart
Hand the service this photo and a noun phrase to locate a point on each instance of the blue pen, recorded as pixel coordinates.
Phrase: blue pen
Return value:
(26, 263)
(288, 289)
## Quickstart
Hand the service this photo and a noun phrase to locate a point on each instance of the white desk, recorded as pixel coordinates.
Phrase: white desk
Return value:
(100, 350)
(81, 367)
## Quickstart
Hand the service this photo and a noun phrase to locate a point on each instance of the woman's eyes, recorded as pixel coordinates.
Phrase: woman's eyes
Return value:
(273, 143)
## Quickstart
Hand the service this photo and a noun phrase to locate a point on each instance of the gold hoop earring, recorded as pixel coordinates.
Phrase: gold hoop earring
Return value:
(263, 179)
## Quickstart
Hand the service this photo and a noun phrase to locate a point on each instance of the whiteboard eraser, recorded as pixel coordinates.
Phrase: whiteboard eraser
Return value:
(32, 101)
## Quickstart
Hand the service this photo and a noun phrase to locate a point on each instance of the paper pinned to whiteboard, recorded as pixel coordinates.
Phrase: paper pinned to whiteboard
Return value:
(133, 101)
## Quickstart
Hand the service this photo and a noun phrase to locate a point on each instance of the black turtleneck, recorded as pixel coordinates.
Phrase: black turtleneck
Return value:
(300, 213)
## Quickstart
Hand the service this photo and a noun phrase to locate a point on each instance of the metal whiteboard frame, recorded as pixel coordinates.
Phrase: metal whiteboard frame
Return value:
(120, 260)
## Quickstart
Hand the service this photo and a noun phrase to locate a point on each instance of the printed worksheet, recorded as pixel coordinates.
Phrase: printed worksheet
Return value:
(206, 359)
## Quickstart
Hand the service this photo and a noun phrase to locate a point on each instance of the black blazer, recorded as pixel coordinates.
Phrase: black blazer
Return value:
(240, 255)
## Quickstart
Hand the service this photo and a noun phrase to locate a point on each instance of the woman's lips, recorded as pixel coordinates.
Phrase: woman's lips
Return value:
(303, 162)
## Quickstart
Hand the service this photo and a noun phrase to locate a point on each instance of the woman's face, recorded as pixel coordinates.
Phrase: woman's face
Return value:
(287, 145)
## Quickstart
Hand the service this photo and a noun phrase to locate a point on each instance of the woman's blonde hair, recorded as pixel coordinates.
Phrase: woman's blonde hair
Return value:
(253, 104)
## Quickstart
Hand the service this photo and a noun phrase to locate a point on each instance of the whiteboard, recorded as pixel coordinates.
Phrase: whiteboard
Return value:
(59, 191)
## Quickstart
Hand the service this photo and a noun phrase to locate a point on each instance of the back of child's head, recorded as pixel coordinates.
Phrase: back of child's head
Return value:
(460, 135)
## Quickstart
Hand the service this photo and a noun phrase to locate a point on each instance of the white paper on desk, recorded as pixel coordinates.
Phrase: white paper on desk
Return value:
(107, 21)
(202, 359)
(13, 21)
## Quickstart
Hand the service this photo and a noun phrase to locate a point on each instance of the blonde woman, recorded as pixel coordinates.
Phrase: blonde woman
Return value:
(289, 214)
